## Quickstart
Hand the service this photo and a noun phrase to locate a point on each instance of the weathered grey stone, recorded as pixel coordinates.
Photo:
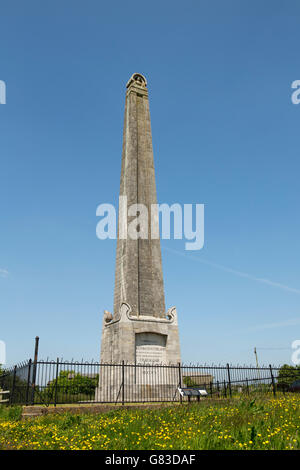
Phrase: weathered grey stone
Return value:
(140, 327)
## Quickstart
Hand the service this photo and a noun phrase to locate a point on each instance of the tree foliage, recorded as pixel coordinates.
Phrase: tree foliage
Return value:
(72, 383)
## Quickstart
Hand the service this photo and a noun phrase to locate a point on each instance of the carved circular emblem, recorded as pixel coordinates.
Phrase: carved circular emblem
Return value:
(138, 79)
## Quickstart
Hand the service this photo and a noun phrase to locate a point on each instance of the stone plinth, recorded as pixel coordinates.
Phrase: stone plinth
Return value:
(141, 342)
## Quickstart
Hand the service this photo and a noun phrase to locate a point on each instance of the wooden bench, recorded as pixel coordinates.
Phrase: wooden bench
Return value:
(2, 392)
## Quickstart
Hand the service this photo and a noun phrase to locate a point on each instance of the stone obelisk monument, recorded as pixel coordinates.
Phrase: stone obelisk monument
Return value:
(139, 330)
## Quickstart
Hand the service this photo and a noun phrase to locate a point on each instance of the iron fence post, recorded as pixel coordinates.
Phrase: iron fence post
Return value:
(247, 382)
(28, 382)
(36, 348)
(229, 381)
(35, 361)
(56, 379)
(12, 393)
(123, 378)
(273, 381)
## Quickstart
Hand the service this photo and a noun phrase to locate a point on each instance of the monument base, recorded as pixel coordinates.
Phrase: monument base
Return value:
(141, 342)
(137, 393)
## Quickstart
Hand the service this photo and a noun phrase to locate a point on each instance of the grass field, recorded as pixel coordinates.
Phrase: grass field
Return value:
(238, 424)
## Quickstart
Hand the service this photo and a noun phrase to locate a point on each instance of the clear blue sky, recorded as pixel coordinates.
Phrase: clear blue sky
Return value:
(225, 134)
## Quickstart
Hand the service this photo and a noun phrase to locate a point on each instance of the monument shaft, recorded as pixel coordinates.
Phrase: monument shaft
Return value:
(138, 277)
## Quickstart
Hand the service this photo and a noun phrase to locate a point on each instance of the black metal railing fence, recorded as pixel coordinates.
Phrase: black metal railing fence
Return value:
(63, 382)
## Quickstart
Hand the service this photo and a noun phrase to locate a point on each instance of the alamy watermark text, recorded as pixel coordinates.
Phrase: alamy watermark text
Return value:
(138, 221)
(2, 92)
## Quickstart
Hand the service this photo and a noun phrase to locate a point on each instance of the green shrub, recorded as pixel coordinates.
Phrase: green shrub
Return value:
(287, 375)
(12, 413)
